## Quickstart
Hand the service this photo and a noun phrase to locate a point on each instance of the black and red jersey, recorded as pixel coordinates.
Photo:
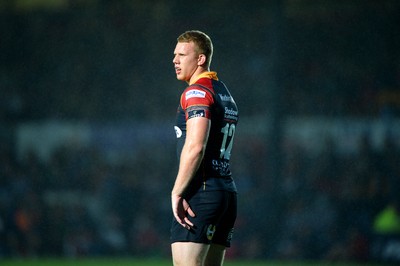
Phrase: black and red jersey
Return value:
(208, 97)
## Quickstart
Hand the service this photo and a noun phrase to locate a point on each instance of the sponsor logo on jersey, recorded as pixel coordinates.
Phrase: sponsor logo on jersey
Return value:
(222, 167)
(231, 114)
(195, 94)
(230, 111)
(196, 113)
(210, 231)
(226, 98)
(178, 132)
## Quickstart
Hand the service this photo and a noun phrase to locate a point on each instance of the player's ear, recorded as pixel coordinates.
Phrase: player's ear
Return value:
(202, 59)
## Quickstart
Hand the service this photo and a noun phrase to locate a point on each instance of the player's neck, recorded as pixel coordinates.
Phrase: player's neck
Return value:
(199, 72)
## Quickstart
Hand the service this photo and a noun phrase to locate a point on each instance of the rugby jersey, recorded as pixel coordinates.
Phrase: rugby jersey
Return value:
(209, 97)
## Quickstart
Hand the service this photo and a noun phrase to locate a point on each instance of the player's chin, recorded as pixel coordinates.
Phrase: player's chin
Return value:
(180, 77)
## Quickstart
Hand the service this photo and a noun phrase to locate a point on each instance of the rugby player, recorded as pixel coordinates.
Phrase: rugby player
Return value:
(204, 200)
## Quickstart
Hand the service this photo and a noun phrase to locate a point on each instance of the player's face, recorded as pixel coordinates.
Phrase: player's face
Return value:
(186, 60)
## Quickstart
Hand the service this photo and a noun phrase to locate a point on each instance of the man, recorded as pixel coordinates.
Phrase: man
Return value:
(204, 194)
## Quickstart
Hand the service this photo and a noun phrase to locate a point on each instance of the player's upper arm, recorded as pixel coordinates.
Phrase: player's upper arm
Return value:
(197, 131)
(196, 102)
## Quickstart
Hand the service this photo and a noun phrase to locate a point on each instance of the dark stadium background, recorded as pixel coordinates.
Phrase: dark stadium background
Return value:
(87, 103)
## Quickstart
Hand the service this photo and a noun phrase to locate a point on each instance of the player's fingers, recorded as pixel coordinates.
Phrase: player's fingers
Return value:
(178, 218)
(190, 212)
(188, 222)
(183, 221)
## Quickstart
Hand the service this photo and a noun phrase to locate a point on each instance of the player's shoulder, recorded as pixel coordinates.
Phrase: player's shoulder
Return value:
(203, 85)
(198, 90)
(197, 95)
(206, 83)
(194, 92)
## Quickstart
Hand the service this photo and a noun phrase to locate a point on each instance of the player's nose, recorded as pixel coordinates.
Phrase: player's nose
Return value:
(175, 59)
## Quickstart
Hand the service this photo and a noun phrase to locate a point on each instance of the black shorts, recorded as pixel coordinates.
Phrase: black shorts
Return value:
(215, 217)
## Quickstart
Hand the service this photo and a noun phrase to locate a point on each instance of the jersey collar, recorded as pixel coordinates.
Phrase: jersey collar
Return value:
(207, 74)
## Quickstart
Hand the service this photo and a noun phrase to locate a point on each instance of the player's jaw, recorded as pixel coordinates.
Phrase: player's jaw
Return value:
(182, 73)
(179, 73)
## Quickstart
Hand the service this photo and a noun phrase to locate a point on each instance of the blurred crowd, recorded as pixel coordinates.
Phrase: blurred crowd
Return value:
(78, 205)
(325, 206)
(113, 61)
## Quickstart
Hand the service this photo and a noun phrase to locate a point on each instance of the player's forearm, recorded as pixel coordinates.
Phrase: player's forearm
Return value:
(190, 161)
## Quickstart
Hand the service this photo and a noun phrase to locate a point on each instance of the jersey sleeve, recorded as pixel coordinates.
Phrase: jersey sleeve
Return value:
(197, 102)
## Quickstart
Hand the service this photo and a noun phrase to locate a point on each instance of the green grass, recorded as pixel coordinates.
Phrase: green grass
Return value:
(154, 262)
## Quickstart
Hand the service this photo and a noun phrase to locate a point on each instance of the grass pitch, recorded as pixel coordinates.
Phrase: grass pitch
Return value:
(155, 262)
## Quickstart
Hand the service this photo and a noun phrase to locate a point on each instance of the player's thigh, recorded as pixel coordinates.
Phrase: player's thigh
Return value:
(223, 234)
(215, 255)
(189, 253)
(210, 208)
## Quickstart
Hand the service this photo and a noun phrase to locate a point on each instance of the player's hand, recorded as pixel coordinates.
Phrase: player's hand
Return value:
(181, 210)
